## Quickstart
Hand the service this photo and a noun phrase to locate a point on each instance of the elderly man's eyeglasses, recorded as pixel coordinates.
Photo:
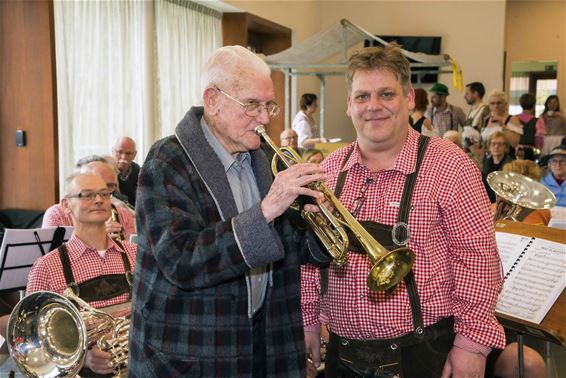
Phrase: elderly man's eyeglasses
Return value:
(89, 195)
(254, 108)
(557, 161)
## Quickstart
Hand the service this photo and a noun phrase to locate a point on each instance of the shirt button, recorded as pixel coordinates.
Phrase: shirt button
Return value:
(361, 296)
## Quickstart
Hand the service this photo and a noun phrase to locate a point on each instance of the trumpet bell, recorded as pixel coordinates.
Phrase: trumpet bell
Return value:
(521, 191)
(390, 269)
(46, 336)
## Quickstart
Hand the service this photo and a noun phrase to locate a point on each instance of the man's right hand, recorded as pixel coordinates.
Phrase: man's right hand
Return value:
(99, 361)
(312, 344)
(288, 185)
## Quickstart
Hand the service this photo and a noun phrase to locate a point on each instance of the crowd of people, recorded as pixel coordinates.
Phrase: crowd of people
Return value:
(224, 281)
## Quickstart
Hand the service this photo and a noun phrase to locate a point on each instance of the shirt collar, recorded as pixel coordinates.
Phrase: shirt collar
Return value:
(225, 157)
(406, 161)
(76, 248)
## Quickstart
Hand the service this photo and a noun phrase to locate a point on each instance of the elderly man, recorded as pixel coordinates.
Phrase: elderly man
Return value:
(421, 193)
(124, 152)
(216, 289)
(96, 267)
(442, 115)
(290, 138)
(122, 227)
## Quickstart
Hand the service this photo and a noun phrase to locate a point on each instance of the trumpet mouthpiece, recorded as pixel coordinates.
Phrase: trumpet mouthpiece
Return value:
(260, 129)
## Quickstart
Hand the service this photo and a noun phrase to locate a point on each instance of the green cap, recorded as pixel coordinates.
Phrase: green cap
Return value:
(440, 89)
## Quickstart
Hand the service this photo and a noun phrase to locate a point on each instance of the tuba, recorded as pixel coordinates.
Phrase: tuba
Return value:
(524, 194)
(388, 268)
(48, 336)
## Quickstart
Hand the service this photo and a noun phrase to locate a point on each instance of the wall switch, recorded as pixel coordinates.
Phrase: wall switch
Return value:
(20, 138)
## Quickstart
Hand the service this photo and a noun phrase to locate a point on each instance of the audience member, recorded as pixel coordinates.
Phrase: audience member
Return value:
(313, 156)
(479, 111)
(419, 122)
(289, 138)
(555, 180)
(500, 120)
(442, 115)
(497, 157)
(454, 137)
(97, 268)
(304, 123)
(471, 141)
(527, 118)
(124, 152)
(551, 124)
(56, 216)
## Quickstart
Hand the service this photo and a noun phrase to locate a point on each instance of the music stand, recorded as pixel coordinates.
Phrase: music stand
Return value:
(21, 247)
(553, 326)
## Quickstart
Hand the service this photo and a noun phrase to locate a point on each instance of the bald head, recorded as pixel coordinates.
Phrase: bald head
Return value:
(103, 170)
(124, 152)
(289, 138)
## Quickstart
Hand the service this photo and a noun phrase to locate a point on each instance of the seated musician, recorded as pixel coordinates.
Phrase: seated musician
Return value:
(126, 226)
(95, 266)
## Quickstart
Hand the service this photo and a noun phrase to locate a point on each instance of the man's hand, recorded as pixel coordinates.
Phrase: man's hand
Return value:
(99, 361)
(113, 227)
(312, 343)
(288, 185)
(461, 363)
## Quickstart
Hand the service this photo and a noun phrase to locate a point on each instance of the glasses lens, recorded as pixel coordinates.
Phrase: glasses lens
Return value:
(91, 196)
(273, 109)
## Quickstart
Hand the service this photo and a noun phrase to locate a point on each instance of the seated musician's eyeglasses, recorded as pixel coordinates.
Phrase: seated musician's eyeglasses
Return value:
(557, 161)
(254, 108)
(89, 195)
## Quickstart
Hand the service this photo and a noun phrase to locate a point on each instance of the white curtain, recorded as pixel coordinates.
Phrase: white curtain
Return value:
(186, 35)
(127, 68)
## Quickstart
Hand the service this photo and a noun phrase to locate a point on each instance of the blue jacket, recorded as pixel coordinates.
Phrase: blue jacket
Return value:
(190, 295)
(559, 190)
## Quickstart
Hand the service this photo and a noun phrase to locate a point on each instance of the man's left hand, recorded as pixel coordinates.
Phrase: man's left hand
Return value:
(113, 227)
(461, 363)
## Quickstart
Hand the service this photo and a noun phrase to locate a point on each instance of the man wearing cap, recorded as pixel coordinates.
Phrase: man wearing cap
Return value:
(443, 116)
(556, 179)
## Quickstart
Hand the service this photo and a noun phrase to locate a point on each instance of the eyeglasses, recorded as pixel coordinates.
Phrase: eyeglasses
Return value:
(496, 103)
(254, 108)
(89, 195)
(361, 199)
(497, 144)
(126, 153)
(557, 161)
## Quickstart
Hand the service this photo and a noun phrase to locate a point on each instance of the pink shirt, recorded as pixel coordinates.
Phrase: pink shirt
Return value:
(86, 263)
(457, 267)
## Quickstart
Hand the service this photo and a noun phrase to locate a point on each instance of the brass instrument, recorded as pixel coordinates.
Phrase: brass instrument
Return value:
(48, 336)
(388, 267)
(524, 194)
(115, 217)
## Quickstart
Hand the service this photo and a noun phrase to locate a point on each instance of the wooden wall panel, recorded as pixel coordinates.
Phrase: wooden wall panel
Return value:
(28, 175)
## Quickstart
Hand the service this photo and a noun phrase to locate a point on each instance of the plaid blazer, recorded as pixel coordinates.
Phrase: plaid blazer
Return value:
(190, 296)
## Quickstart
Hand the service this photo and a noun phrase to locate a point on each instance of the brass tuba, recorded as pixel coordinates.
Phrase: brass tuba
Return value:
(48, 336)
(524, 194)
(388, 267)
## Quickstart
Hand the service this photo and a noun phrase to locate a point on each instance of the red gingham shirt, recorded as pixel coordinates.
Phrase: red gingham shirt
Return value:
(55, 216)
(47, 271)
(457, 267)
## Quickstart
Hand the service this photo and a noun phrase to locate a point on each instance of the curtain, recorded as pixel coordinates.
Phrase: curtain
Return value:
(99, 51)
(127, 68)
(186, 35)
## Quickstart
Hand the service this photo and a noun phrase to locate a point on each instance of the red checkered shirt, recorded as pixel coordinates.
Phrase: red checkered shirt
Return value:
(47, 271)
(55, 216)
(457, 267)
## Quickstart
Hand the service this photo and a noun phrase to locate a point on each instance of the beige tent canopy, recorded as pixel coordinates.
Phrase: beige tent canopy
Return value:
(315, 56)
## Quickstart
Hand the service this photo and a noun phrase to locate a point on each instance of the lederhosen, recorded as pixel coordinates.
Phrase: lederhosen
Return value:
(383, 358)
(99, 288)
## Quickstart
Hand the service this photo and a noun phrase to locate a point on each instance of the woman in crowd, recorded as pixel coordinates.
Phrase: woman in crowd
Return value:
(495, 160)
(304, 123)
(551, 124)
(555, 180)
(313, 156)
(418, 120)
(500, 120)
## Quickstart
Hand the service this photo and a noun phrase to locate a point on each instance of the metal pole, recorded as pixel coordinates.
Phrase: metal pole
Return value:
(321, 104)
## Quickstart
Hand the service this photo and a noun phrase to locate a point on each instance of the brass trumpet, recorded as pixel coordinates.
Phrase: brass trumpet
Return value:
(388, 267)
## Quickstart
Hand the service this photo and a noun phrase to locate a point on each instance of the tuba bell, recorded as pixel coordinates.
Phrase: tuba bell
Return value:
(48, 336)
(524, 194)
(388, 268)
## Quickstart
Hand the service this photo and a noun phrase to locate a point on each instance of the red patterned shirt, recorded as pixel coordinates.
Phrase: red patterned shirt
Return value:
(457, 267)
(55, 216)
(86, 263)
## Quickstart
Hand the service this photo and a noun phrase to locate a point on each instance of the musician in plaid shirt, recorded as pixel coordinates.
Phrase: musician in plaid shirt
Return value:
(448, 326)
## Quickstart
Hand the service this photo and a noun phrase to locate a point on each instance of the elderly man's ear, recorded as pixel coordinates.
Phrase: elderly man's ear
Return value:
(211, 100)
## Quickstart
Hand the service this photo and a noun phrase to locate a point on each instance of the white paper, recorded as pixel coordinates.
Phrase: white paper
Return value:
(510, 247)
(335, 140)
(535, 282)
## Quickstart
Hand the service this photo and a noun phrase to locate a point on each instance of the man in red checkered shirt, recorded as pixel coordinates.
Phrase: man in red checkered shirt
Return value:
(99, 267)
(432, 201)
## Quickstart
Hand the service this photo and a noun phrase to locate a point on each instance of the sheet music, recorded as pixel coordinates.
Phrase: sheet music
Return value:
(510, 247)
(535, 282)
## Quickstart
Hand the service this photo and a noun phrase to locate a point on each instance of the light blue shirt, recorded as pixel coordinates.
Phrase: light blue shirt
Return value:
(243, 185)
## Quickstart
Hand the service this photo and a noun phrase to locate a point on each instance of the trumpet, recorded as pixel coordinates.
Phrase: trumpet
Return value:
(115, 217)
(388, 268)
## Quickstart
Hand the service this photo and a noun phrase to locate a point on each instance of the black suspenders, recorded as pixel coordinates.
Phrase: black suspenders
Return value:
(400, 232)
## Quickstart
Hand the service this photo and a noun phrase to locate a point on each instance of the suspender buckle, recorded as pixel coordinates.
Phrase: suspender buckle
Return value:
(401, 229)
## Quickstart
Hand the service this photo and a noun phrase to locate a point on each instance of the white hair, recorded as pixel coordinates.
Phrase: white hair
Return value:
(228, 64)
